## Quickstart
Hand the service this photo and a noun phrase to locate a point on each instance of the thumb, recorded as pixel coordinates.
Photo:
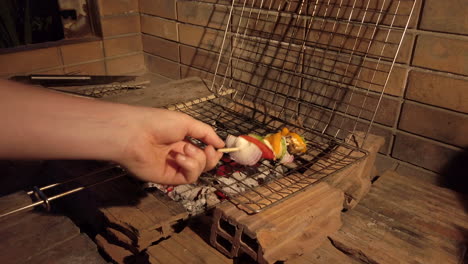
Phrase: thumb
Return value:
(204, 132)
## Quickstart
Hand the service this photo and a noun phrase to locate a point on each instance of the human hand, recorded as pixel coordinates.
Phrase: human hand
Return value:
(155, 149)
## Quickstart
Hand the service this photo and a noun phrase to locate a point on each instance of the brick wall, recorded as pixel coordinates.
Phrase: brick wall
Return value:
(424, 112)
(118, 52)
(181, 38)
(432, 122)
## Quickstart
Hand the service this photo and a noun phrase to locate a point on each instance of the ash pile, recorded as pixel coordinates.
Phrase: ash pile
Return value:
(227, 180)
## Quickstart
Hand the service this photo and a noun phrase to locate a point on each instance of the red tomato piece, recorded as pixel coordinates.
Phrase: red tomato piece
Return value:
(267, 153)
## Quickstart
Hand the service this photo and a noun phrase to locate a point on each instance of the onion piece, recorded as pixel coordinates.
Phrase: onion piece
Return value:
(230, 141)
(287, 158)
(248, 153)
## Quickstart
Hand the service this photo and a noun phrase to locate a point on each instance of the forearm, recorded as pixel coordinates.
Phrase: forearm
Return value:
(41, 124)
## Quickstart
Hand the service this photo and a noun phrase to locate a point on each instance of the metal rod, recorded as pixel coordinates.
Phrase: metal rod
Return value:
(105, 168)
(46, 200)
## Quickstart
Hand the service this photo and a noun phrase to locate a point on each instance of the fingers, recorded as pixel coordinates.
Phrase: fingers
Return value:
(212, 157)
(204, 132)
(189, 168)
(193, 161)
(197, 154)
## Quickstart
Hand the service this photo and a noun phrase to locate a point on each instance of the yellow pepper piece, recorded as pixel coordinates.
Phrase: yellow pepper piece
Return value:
(275, 141)
(284, 131)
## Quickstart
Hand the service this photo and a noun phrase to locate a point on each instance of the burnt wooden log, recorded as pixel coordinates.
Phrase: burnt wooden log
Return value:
(403, 220)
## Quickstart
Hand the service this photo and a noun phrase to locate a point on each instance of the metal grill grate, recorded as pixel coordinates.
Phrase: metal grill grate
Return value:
(272, 182)
(319, 67)
(327, 62)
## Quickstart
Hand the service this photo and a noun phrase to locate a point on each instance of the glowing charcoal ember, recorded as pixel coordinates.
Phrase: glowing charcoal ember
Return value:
(221, 195)
(224, 170)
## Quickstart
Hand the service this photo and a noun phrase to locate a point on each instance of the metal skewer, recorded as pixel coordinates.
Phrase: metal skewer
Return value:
(45, 201)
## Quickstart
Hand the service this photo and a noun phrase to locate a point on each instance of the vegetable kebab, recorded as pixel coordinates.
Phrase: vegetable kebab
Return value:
(281, 146)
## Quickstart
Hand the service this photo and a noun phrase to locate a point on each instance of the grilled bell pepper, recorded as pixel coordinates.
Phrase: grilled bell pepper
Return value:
(278, 143)
(267, 153)
(296, 143)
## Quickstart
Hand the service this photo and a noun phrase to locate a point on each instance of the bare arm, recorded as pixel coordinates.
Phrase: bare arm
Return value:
(41, 124)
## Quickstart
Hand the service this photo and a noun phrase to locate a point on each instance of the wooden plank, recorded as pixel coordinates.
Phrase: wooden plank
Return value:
(403, 221)
(422, 214)
(159, 254)
(16, 219)
(180, 252)
(325, 254)
(78, 250)
(279, 215)
(152, 260)
(421, 205)
(32, 235)
(116, 253)
(310, 237)
(200, 248)
(185, 247)
(14, 201)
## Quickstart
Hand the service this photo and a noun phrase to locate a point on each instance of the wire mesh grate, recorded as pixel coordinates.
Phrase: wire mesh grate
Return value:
(320, 67)
(327, 61)
(254, 188)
